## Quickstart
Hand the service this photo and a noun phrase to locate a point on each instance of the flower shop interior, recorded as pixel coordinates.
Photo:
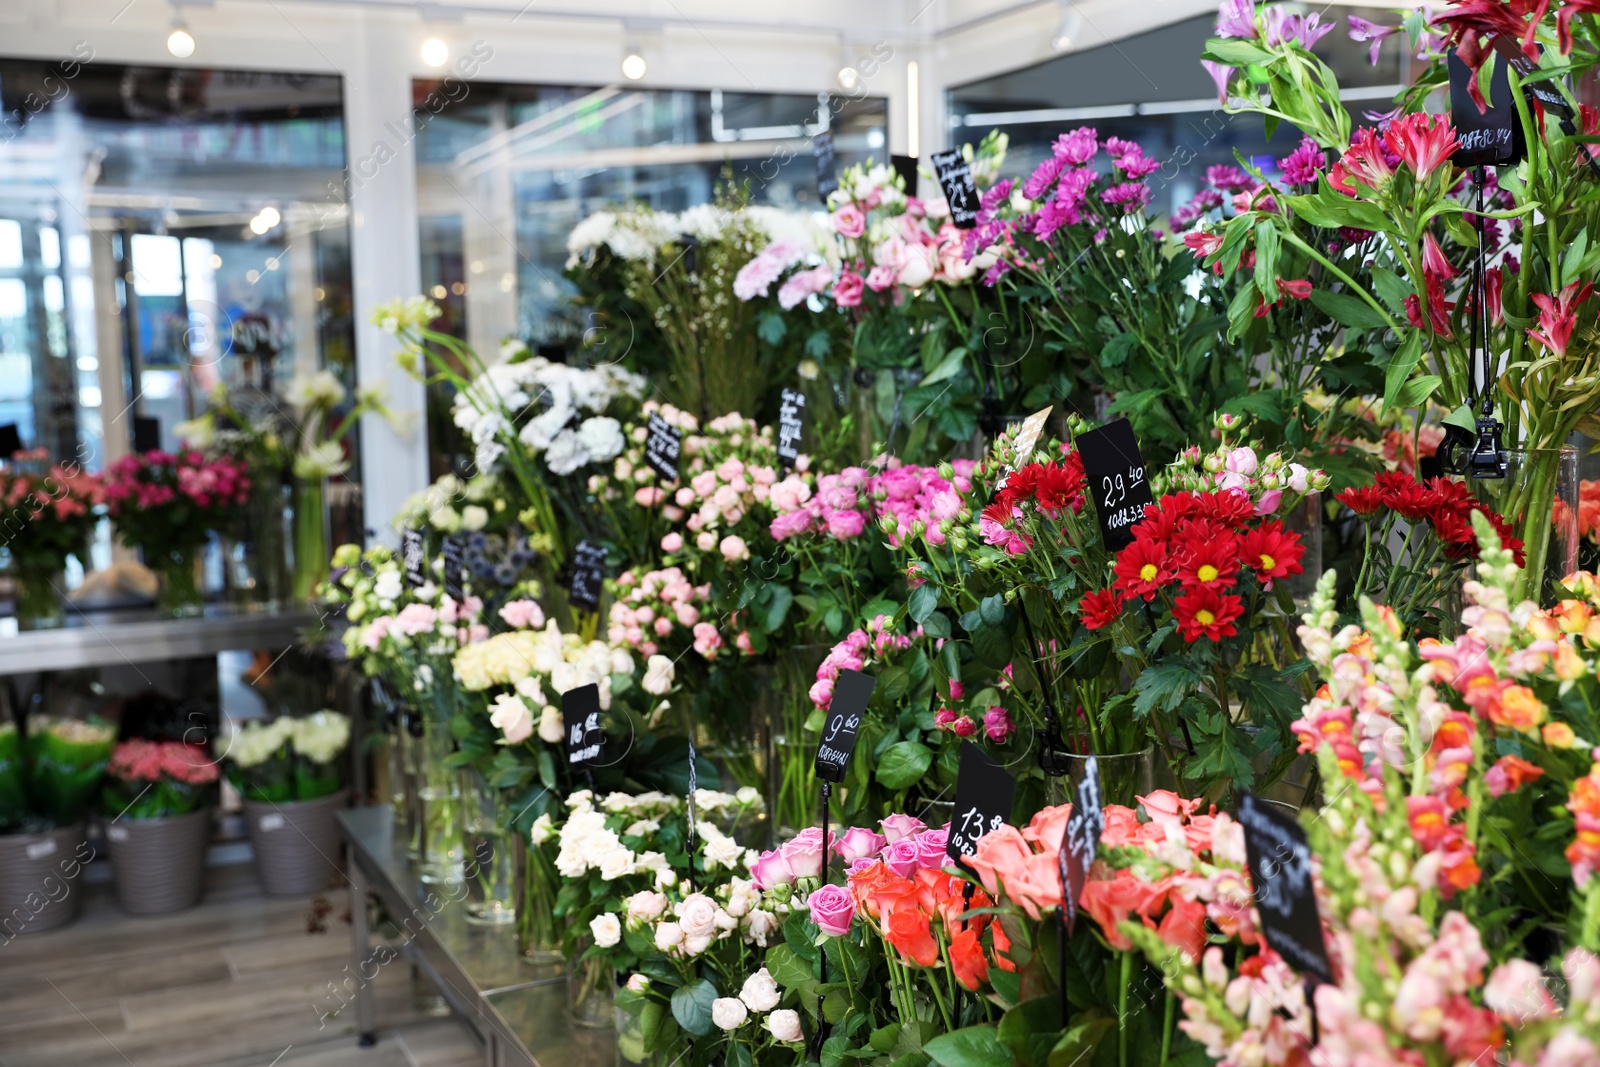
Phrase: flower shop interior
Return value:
(932, 532)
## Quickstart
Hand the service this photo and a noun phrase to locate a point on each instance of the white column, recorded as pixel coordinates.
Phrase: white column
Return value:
(385, 259)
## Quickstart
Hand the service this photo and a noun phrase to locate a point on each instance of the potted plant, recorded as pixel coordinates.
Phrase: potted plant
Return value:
(159, 823)
(50, 515)
(46, 781)
(288, 772)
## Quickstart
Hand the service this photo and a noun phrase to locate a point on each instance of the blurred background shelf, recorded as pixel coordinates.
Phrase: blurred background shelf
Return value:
(116, 638)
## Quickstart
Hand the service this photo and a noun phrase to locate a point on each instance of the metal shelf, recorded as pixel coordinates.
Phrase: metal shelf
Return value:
(111, 639)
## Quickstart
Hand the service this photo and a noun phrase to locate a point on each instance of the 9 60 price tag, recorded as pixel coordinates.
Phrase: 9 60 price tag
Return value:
(851, 691)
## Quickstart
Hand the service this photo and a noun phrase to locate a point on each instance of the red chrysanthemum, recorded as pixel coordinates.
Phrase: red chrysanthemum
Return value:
(1230, 507)
(1364, 501)
(1211, 561)
(1060, 485)
(1020, 485)
(1272, 551)
(1405, 495)
(1204, 612)
(1142, 569)
(1100, 608)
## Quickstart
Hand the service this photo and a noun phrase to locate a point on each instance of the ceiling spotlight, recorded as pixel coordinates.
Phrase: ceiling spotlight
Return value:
(270, 216)
(179, 42)
(849, 78)
(435, 52)
(1070, 29)
(633, 66)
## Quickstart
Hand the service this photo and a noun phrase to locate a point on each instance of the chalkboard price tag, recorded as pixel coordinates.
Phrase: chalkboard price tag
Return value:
(791, 424)
(588, 575)
(1488, 138)
(1081, 841)
(662, 446)
(413, 558)
(1117, 481)
(827, 167)
(580, 714)
(960, 191)
(983, 800)
(453, 551)
(1280, 871)
(851, 691)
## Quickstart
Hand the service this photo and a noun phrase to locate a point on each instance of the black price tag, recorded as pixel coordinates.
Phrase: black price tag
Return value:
(1081, 841)
(662, 447)
(791, 424)
(983, 800)
(1280, 872)
(588, 575)
(1117, 481)
(960, 191)
(1544, 91)
(906, 167)
(827, 170)
(413, 558)
(1488, 138)
(580, 714)
(453, 553)
(851, 691)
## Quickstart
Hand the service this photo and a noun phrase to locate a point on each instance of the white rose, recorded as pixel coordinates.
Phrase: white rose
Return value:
(668, 936)
(729, 1013)
(528, 688)
(666, 879)
(607, 931)
(785, 1025)
(621, 663)
(511, 717)
(474, 518)
(550, 725)
(651, 861)
(616, 863)
(725, 923)
(387, 587)
(642, 828)
(566, 453)
(658, 675)
(543, 829)
(698, 914)
(638, 983)
(759, 927)
(646, 906)
(693, 946)
(748, 795)
(760, 992)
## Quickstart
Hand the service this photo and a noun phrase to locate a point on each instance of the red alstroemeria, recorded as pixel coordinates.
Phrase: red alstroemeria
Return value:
(1433, 259)
(1423, 142)
(1100, 608)
(1365, 162)
(1438, 308)
(1211, 562)
(1299, 288)
(1272, 551)
(1204, 612)
(1142, 569)
(1203, 244)
(1558, 316)
(1470, 21)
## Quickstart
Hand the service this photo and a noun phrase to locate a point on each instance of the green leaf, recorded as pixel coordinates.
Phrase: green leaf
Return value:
(936, 625)
(904, 764)
(1077, 1045)
(691, 1006)
(787, 968)
(949, 367)
(975, 1046)
(924, 601)
(740, 1055)
(1347, 310)
(817, 344)
(777, 607)
(1115, 353)
(1165, 685)
(1235, 52)
(992, 647)
(1392, 289)
(1416, 392)
(771, 327)
(992, 609)
(1401, 364)
(1267, 260)
(1031, 1028)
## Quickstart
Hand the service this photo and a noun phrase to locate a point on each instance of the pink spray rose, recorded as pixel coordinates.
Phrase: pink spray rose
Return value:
(833, 909)
(901, 825)
(858, 842)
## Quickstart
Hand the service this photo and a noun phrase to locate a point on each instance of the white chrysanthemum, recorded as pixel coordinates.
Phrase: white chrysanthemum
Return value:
(601, 438)
(321, 736)
(259, 742)
(705, 222)
(589, 235)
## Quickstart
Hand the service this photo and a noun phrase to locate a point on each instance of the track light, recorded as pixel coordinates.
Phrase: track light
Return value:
(435, 53)
(179, 42)
(849, 78)
(633, 65)
(1069, 31)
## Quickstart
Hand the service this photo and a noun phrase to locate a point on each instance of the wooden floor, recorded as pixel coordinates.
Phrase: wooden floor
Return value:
(235, 982)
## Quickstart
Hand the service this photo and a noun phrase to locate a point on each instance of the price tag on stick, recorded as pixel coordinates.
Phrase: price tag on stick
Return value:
(588, 575)
(662, 447)
(960, 190)
(1280, 872)
(413, 558)
(1114, 469)
(827, 169)
(851, 691)
(580, 715)
(1485, 138)
(983, 800)
(1081, 841)
(453, 553)
(791, 424)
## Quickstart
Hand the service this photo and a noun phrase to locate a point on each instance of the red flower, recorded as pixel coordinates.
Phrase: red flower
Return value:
(1142, 569)
(1203, 612)
(1272, 551)
(1424, 142)
(1365, 162)
(1433, 259)
(1557, 316)
(1300, 289)
(967, 959)
(1469, 21)
(1100, 608)
(1203, 244)
(1020, 485)
(1211, 562)
(1060, 485)
(1438, 308)
(907, 930)
(1364, 501)
(1229, 507)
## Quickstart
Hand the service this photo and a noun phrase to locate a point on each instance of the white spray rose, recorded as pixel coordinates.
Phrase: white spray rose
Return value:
(729, 1013)
(607, 931)
(658, 675)
(760, 992)
(785, 1025)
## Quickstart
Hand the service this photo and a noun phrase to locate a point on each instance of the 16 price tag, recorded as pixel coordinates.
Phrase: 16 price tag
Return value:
(580, 715)
(1280, 872)
(413, 558)
(1115, 471)
(588, 575)
(662, 447)
(851, 691)
(960, 191)
(983, 800)
(1081, 841)
(454, 553)
(791, 424)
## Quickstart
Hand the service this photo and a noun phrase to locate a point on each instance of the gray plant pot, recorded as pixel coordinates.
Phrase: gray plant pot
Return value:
(40, 880)
(296, 843)
(159, 863)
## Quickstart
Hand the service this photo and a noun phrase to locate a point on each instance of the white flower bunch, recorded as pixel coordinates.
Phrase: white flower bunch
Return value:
(320, 736)
(635, 234)
(396, 315)
(712, 802)
(859, 183)
(587, 844)
(320, 389)
(541, 664)
(259, 742)
(559, 393)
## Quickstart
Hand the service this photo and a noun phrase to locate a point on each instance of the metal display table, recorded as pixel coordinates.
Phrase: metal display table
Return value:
(98, 639)
(518, 1011)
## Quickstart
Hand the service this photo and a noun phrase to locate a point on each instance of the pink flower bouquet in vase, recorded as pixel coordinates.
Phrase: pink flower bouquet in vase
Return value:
(51, 513)
(167, 505)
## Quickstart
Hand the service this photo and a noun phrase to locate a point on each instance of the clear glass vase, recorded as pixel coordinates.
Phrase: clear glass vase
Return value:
(486, 852)
(1124, 777)
(1539, 498)
(438, 809)
(591, 989)
(258, 554)
(538, 929)
(38, 596)
(631, 1050)
(791, 774)
(177, 569)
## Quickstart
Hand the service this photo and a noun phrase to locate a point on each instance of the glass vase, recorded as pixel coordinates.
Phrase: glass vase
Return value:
(1305, 520)
(591, 989)
(538, 929)
(438, 814)
(177, 570)
(311, 554)
(486, 852)
(791, 775)
(1539, 498)
(631, 1050)
(38, 597)
(1124, 777)
(258, 554)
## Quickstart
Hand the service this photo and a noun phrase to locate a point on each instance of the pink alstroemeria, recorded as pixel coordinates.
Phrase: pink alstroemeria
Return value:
(1363, 161)
(1423, 142)
(1237, 18)
(1373, 33)
(1221, 74)
(1434, 261)
(1558, 316)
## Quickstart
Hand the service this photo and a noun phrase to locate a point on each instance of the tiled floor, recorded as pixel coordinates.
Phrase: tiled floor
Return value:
(236, 982)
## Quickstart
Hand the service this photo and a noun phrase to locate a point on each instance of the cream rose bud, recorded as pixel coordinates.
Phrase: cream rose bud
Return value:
(726, 923)
(606, 929)
(729, 1013)
(638, 983)
(693, 946)
(784, 1025)
(511, 717)
(616, 863)
(474, 518)
(705, 541)
(543, 830)
(747, 795)
(759, 926)
(668, 936)
(760, 992)
(550, 725)
(698, 914)
(646, 905)
(658, 675)
(666, 879)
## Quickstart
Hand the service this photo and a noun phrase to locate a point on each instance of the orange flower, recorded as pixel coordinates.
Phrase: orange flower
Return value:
(1044, 830)
(1111, 901)
(1429, 820)
(907, 930)
(1459, 869)
(1362, 645)
(1516, 707)
(1544, 626)
(1184, 927)
(1559, 735)
(1509, 774)
(999, 855)
(1002, 947)
(967, 960)
(879, 892)
(1569, 665)
(1454, 732)
(1573, 616)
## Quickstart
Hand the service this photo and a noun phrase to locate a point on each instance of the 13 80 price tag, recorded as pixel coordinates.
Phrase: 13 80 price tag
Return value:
(983, 800)
(1115, 472)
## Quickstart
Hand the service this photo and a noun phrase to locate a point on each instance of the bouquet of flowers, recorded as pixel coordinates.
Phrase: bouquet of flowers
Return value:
(50, 515)
(50, 778)
(157, 779)
(289, 758)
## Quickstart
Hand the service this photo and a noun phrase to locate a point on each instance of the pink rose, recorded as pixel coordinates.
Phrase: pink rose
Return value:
(1269, 502)
(958, 690)
(733, 548)
(859, 842)
(673, 542)
(663, 625)
(847, 290)
(832, 909)
(804, 852)
(997, 724)
(880, 277)
(902, 857)
(705, 541)
(900, 824)
(786, 526)
(931, 848)
(964, 727)
(522, 614)
(844, 525)
(849, 221)
(648, 496)
(772, 869)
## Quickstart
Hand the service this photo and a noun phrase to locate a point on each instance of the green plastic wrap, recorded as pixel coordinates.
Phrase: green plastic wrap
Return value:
(66, 760)
(14, 807)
